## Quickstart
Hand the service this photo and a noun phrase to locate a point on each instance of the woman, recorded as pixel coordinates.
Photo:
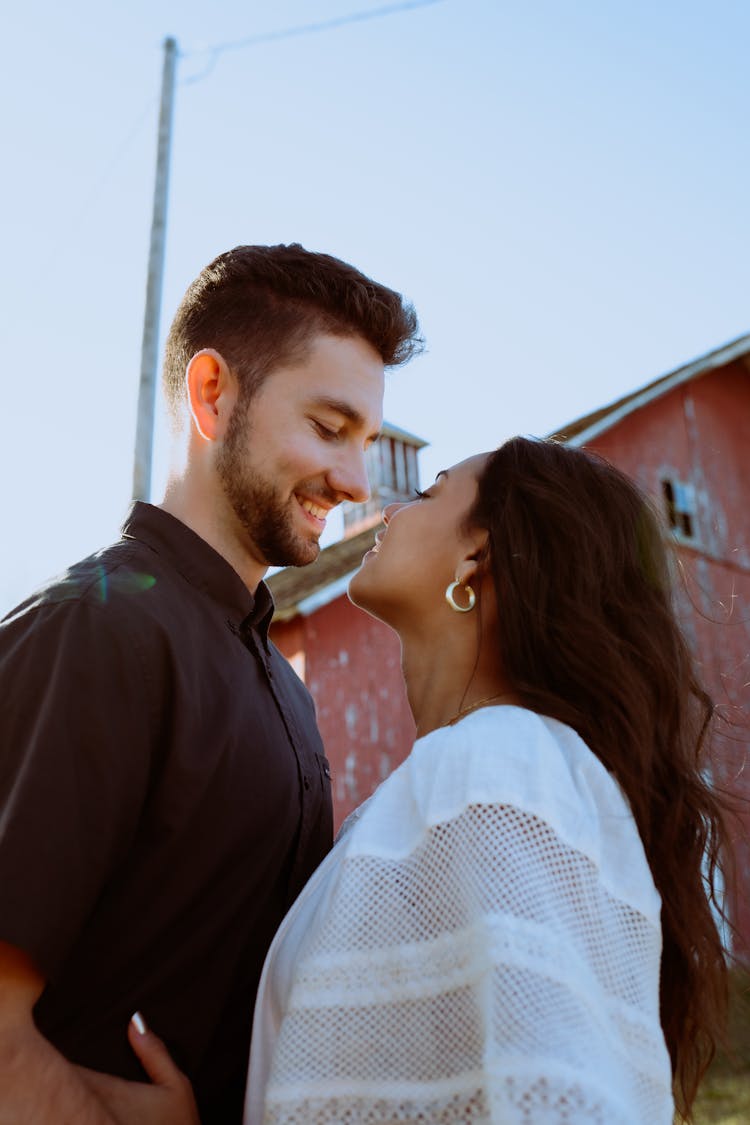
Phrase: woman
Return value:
(515, 927)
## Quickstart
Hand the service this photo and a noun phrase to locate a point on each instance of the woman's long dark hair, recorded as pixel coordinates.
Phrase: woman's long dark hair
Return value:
(589, 636)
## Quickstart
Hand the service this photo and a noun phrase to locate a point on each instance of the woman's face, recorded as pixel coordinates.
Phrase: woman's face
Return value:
(403, 578)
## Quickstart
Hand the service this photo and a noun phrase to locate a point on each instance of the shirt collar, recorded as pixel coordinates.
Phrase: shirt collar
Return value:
(202, 566)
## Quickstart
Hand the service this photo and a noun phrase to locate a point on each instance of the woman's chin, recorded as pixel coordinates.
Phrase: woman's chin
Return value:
(362, 594)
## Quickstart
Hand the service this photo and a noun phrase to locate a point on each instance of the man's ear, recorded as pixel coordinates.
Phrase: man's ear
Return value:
(211, 393)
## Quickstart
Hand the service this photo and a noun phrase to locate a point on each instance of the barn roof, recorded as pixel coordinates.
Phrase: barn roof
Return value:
(389, 430)
(585, 429)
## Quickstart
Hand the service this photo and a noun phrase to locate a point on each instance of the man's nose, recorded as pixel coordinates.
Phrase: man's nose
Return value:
(349, 477)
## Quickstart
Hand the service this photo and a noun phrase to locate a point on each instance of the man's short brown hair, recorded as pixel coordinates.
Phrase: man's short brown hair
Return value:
(259, 306)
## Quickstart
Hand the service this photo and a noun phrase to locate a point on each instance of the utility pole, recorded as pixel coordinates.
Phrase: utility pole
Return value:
(144, 434)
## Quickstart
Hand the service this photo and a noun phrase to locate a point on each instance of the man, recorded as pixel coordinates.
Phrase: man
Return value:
(163, 790)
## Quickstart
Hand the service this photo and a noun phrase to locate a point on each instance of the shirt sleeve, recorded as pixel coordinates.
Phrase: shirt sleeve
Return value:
(74, 766)
(487, 975)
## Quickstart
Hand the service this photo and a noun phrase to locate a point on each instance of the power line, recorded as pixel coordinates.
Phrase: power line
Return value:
(297, 31)
(116, 158)
(83, 211)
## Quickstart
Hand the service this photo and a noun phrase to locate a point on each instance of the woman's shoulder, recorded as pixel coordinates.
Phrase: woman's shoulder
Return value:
(510, 754)
(514, 757)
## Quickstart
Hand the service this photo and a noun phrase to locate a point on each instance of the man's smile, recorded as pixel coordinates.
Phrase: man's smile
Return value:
(315, 511)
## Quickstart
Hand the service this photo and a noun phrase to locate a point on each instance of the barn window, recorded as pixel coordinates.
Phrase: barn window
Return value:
(679, 499)
(399, 466)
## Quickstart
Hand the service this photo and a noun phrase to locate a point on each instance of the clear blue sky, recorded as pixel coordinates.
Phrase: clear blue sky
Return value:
(561, 188)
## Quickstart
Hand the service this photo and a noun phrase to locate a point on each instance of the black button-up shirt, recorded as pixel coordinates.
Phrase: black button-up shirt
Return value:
(163, 798)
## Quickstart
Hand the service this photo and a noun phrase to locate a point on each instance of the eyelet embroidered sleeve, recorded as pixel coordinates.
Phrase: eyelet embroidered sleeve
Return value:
(475, 965)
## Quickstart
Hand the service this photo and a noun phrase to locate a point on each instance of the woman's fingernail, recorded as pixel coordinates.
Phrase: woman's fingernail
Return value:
(138, 1022)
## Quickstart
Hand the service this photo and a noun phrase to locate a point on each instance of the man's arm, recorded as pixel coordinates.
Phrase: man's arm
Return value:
(39, 1086)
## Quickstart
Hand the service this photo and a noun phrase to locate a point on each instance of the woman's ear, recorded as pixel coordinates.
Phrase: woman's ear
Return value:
(473, 563)
(211, 393)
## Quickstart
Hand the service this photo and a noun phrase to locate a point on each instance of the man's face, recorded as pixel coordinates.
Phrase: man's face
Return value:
(297, 450)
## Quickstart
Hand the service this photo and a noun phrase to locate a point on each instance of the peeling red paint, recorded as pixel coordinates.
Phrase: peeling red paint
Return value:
(353, 670)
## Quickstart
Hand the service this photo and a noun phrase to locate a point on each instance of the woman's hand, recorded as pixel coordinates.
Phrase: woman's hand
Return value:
(168, 1101)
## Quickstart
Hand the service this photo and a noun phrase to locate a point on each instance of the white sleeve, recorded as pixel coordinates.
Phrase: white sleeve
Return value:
(486, 975)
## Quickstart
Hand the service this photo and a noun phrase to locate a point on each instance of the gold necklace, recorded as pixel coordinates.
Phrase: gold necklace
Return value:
(475, 707)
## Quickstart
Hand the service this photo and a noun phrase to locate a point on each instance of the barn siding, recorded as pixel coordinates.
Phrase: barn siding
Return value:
(353, 671)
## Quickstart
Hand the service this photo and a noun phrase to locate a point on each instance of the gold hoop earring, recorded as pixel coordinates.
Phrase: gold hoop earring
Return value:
(450, 590)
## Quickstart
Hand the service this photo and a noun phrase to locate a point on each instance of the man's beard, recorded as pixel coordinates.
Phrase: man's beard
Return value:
(265, 515)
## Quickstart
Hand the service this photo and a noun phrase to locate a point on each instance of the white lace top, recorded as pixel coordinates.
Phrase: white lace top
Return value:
(481, 945)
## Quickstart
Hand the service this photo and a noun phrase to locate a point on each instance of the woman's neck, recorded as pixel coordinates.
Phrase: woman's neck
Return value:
(442, 685)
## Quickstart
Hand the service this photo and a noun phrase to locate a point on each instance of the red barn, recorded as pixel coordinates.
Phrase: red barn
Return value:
(686, 439)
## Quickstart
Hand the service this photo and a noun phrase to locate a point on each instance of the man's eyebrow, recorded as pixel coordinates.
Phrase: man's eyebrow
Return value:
(442, 473)
(345, 409)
